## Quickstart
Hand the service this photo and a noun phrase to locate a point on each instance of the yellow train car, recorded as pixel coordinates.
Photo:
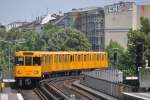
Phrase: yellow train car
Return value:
(31, 66)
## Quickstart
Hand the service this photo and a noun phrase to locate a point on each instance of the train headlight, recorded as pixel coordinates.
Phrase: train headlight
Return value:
(19, 72)
(36, 72)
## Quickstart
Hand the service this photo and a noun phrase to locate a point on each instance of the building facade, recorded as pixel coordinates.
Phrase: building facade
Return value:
(120, 18)
(15, 25)
(90, 21)
(34, 25)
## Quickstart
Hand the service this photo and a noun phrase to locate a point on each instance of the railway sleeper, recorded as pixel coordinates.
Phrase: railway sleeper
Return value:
(48, 94)
(56, 91)
(40, 94)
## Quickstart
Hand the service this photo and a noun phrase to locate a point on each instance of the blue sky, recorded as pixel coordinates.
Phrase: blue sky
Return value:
(21, 10)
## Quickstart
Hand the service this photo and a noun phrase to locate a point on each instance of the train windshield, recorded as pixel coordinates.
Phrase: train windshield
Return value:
(19, 61)
(27, 61)
(36, 61)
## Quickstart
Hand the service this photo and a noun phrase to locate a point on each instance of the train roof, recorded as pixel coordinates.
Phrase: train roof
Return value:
(39, 53)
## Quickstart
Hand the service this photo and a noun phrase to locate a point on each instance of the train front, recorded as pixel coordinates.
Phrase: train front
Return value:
(27, 68)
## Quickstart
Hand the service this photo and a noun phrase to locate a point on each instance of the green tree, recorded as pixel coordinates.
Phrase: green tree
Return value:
(59, 39)
(124, 59)
(145, 25)
(141, 35)
(112, 48)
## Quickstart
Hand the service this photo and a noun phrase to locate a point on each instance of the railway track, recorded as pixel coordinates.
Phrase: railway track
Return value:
(59, 88)
(29, 94)
(50, 92)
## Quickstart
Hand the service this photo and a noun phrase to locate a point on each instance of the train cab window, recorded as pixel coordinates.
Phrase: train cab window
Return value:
(36, 61)
(19, 61)
(28, 61)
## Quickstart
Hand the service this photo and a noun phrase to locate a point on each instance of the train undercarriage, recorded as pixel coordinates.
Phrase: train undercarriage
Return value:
(26, 82)
(31, 82)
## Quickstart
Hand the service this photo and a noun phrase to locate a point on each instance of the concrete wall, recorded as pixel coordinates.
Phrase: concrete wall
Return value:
(118, 36)
(118, 23)
(142, 11)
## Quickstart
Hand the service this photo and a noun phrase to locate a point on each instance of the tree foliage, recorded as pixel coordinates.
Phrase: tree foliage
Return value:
(123, 58)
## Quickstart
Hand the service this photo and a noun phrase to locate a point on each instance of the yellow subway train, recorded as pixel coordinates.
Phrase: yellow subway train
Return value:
(31, 66)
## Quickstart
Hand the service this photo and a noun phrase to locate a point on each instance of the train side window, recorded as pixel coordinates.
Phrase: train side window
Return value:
(97, 57)
(44, 62)
(87, 57)
(36, 61)
(59, 58)
(55, 58)
(45, 59)
(84, 57)
(71, 58)
(62, 58)
(102, 56)
(75, 56)
(68, 58)
(19, 61)
(50, 60)
(28, 61)
(94, 57)
(79, 57)
(65, 58)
